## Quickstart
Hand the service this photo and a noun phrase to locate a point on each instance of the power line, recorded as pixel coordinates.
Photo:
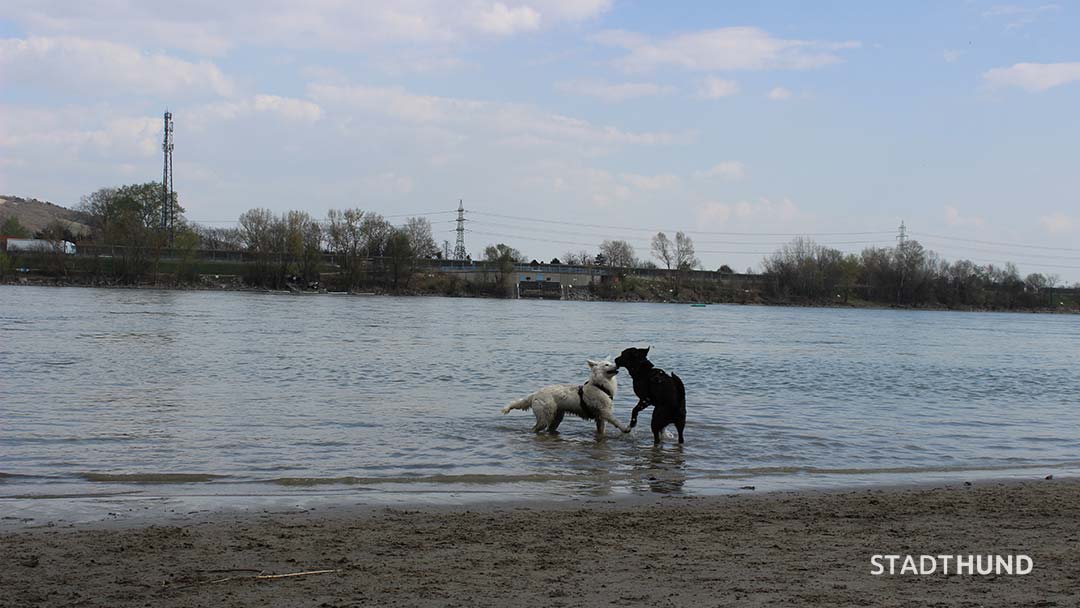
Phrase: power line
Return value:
(956, 238)
(555, 227)
(984, 261)
(633, 229)
(424, 213)
(323, 220)
(544, 239)
(646, 240)
(944, 243)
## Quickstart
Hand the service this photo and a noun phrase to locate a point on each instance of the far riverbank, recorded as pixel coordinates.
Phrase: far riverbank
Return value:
(439, 289)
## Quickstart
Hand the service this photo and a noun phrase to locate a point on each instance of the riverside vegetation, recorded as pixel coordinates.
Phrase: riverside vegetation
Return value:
(357, 250)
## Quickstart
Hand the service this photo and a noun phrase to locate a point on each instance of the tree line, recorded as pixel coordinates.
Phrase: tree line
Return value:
(355, 248)
(291, 248)
(908, 274)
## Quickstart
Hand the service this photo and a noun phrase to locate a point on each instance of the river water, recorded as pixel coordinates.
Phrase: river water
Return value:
(208, 399)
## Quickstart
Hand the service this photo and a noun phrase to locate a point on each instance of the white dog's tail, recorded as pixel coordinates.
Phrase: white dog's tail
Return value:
(520, 404)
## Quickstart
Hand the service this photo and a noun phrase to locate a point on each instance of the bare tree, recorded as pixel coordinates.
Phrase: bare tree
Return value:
(55, 254)
(347, 243)
(186, 247)
(210, 237)
(422, 242)
(683, 258)
(256, 228)
(684, 253)
(303, 242)
(618, 254)
(503, 257)
(400, 256)
(663, 249)
(375, 231)
(581, 258)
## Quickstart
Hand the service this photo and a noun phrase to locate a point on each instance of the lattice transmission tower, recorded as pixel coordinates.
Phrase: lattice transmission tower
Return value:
(459, 248)
(168, 196)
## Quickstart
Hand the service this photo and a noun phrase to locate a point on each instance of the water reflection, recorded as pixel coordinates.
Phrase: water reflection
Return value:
(660, 469)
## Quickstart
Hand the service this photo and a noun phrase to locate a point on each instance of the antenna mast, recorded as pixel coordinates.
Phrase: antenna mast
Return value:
(168, 196)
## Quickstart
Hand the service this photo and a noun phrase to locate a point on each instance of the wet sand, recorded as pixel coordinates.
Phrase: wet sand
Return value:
(778, 549)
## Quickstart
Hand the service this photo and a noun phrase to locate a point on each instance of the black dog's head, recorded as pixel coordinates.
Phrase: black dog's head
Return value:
(633, 358)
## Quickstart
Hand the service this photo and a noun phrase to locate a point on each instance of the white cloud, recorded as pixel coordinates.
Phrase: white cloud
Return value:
(417, 62)
(779, 94)
(715, 88)
(85, 133)
(293, 109)
(503, 20)
(106, 68)
(1058, 223)
(395, 102)
(763, 210)
(731, 48)
(649, 182)
(953, 217)
(522, 123)
(729, 169)
(714, 214)
(574, 10)
(73, 132)
(287, 108)
(388, 183)
(614, 92)
(599, 187)
(1033, 76)
(214, 28)
(1019, 16)
(620, 38)
(951, 56)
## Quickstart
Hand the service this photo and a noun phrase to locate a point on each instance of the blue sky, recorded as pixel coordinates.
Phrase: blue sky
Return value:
(743, 123)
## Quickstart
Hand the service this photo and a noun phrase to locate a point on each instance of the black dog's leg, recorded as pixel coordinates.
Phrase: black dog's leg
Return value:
(641, 404)
(659, 421)
(680, 404)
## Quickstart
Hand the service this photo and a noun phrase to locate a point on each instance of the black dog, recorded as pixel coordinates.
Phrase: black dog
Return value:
(653, 386)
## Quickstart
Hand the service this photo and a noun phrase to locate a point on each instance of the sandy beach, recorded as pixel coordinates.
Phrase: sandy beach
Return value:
(777, 549)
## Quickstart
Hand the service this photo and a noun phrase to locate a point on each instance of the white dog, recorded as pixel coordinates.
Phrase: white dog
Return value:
(594, 400)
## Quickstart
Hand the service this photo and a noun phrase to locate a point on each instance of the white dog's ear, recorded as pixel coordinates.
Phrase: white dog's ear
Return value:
(591, 362)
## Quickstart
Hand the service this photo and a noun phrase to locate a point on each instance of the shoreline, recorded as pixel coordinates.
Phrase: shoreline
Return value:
(787, 548)
(224, 288)
(106, 510)
(149, 503)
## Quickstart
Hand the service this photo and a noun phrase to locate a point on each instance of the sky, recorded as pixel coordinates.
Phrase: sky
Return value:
(561, 123)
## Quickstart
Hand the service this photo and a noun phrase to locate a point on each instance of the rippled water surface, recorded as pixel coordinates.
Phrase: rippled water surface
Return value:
(150, 393)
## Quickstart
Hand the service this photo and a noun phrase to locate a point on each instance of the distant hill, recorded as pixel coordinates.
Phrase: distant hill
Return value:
(35, 215)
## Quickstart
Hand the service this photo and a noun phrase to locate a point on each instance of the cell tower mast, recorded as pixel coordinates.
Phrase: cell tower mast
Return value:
(459, 248)
(168, 196)
(902, 236)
